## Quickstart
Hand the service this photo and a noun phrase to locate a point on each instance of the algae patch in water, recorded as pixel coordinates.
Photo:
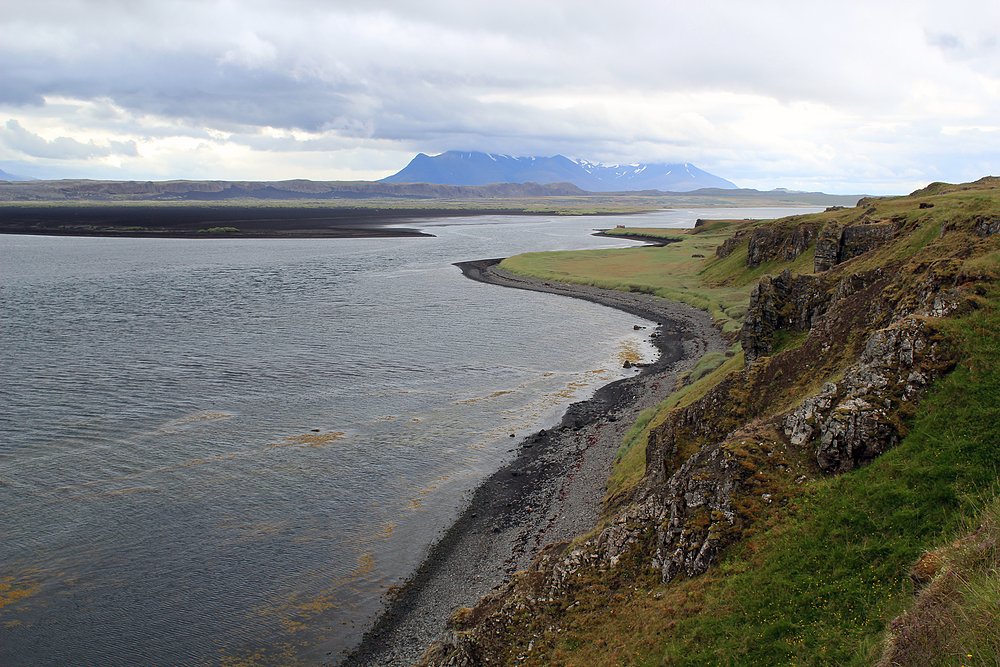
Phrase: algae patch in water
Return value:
(13, 589)
(310, 439)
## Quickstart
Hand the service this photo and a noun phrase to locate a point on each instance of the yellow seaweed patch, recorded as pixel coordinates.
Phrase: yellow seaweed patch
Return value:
(310, 439)
(385, 533)
(298, 618)
(292, 614)
(255, 530)
(198, 462)
(202, 416)
(495, 394)
(274, 654)
(417, 501)
(530, 414)
(12, 590)
(629, 351)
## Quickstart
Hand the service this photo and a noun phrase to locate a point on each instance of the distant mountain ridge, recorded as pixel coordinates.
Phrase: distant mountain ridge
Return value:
(474, 168)
(4, 176)
(299, 189)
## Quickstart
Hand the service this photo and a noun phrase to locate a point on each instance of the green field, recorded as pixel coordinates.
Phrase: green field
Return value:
(685, 270)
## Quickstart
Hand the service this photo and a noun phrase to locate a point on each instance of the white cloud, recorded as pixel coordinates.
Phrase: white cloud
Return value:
(19, 139)
(864, 95)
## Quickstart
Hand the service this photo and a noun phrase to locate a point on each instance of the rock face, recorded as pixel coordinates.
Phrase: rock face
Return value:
(766, 244)
(703, 421)
(797, 242)
(987, 226)
(780, 302)
(763, 245)
(730, 244)
(857, 240)
(827, 248)
(718, 466)
(697, 512)
(837, 244)
(762, 318)
(854, 420)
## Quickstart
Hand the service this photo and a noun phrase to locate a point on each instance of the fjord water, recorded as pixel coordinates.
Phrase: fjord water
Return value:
(227, 451)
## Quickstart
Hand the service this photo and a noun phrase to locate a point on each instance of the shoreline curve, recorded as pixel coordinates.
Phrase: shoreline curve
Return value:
(553, 489)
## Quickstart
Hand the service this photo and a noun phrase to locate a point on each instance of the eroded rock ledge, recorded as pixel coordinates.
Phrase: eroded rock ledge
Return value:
(871, 341)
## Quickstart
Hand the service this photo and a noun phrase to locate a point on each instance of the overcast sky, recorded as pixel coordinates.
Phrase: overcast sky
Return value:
(846, 97)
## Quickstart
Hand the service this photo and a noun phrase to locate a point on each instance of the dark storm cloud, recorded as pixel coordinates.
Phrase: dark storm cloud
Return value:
(192, 87)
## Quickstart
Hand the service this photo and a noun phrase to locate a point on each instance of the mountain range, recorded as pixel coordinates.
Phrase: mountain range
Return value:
(4, 176)
(474, 168)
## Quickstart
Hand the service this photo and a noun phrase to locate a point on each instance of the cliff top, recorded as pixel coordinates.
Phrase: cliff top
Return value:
(775, 509)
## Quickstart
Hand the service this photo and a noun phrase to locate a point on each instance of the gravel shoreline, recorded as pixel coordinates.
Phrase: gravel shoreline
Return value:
(551, 492)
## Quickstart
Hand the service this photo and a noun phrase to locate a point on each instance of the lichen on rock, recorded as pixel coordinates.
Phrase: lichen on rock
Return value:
(855, 419)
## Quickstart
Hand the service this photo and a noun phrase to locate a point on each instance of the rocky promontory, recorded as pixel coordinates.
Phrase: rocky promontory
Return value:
(784, 499)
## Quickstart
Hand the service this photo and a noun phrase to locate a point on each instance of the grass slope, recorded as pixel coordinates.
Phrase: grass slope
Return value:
(681, 271)
(819, 579)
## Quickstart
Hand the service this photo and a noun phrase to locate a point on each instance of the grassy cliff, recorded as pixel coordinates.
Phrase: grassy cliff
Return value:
(823, 495)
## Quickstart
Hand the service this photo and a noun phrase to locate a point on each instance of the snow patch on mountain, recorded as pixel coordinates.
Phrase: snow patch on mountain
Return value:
(473, 168)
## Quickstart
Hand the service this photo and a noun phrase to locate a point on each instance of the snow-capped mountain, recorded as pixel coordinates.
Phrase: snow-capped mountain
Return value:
(473, 168)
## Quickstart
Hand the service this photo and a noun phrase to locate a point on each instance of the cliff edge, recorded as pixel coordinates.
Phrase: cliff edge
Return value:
(786, 506)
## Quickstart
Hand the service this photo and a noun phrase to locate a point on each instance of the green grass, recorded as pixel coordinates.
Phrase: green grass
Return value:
(824, 575)
(952, 620)
(825, 580)
(818, 578)
(219, 230)
(673, 271)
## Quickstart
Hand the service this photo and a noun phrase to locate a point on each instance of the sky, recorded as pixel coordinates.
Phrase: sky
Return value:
(865, 97)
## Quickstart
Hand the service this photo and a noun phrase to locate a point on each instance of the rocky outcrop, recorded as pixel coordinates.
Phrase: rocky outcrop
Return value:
(780, 302)
(797, 242)
(987, 226)
(857, 240)
(837, 244)
(763, 245)
(766, 244)
(706, 420)
(856, 419)
(730, 244)
(699, 500)
(827, 247)
(762, 318)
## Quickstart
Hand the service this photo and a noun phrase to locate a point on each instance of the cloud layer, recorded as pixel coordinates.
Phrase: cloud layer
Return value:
(864, 97)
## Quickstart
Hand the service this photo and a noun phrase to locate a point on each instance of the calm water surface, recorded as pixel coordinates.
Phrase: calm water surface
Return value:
(226, 451)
